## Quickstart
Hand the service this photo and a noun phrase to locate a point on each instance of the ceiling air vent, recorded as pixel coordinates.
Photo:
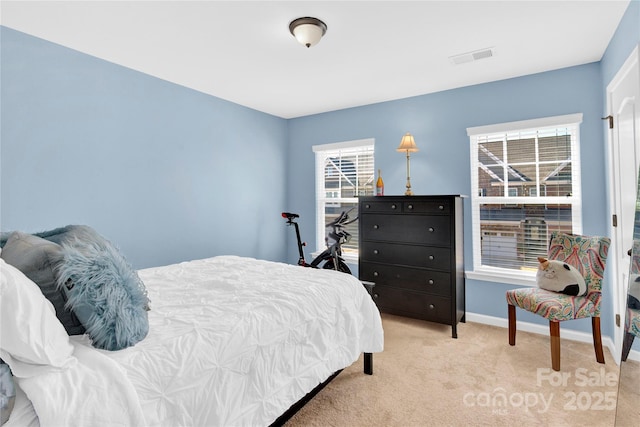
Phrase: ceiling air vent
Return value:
(472, 56)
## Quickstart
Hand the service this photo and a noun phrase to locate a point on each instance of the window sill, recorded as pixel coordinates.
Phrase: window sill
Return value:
(500, 276)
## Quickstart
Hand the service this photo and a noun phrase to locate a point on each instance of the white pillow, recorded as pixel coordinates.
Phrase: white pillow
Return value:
(32, 339)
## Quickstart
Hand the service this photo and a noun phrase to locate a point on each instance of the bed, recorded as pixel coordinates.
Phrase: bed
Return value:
(232, 341)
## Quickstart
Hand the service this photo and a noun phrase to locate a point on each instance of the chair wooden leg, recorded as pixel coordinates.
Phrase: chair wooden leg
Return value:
(512, 324)
(554, 331)
(626, 345)
(597, 339)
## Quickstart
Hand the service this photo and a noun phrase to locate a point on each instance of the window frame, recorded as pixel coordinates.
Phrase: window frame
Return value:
(320, 152)
(502, 274)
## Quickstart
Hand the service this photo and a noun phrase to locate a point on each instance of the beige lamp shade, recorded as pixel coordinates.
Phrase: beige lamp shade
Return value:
(408, 144)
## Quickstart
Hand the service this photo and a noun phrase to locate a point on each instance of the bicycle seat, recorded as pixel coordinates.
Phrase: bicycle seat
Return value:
(289, 215)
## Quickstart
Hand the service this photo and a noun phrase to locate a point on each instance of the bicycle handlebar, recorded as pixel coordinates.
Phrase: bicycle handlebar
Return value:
(341, 221)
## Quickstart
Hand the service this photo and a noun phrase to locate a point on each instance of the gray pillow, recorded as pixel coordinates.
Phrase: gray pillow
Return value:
(37, 259)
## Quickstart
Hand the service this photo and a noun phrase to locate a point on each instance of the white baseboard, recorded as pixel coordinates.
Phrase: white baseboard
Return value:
(634, 355)
(544, 330)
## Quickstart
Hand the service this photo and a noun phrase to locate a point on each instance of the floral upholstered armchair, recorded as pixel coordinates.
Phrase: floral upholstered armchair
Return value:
(588, 255)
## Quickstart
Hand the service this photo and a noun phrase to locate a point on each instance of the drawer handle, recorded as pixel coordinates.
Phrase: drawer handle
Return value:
(375, 251)
(367, 206)
(375, 296)
(410, 207)
(431, 306)
(431, 230)
(376, 226)
(441, 207)
(393, 206)
(431, 257)
(431, 281)
(375, 274)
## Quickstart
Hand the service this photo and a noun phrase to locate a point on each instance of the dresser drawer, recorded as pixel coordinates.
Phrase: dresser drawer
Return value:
(422, 229)
(382, 206)
(427, 206)
(408, 255)
(414, 304)
(433, 282)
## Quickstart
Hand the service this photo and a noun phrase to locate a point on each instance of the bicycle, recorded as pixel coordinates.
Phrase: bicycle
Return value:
(331, 257)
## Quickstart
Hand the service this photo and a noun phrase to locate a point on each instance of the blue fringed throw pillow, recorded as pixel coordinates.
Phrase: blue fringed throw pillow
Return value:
(103, 290)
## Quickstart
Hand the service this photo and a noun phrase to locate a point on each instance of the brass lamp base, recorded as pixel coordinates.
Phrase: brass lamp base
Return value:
(408, 192)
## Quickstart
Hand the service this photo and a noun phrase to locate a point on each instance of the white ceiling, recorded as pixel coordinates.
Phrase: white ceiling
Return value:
(373, 51)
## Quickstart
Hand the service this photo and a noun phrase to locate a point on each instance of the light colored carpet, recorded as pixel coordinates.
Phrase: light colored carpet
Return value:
(426, 378)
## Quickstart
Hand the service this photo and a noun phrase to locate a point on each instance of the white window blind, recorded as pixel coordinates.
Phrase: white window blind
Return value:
(525, 180)
(344, 171)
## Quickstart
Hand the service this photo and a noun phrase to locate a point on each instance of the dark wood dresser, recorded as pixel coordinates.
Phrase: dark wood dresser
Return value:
(411, 247)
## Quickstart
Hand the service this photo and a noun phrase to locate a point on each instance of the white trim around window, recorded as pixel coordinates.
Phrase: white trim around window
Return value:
(344, 171)
(525, 183)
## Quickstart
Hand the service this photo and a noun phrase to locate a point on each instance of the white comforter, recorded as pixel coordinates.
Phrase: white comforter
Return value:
(233, 342)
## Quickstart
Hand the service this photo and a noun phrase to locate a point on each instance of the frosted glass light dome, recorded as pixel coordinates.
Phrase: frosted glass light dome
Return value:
(308, 31)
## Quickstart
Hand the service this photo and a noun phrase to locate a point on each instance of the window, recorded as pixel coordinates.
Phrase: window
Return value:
(344, 171)
(525, 183)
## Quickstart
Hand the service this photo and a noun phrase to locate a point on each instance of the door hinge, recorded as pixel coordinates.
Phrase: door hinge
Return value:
(610, 118)
(614, 220)
(618, 320)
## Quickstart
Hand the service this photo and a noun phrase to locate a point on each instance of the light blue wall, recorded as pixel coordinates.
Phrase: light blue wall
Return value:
(625, 39)
(165, 172)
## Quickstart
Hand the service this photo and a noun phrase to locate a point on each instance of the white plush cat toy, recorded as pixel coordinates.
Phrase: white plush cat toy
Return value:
(558, 276)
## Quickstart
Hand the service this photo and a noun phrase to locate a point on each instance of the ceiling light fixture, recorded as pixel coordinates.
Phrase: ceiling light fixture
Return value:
(308, 31)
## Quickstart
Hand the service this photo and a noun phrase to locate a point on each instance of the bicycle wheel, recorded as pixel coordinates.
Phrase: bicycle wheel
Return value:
(342, 267)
